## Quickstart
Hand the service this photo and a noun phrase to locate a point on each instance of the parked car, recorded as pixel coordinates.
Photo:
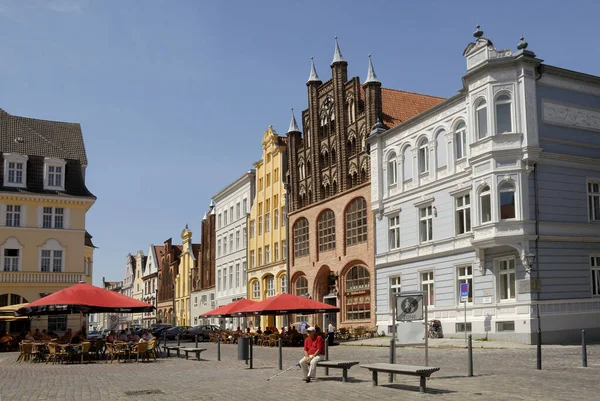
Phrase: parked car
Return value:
(158, 329)
(203, 332)
(172, 333)
(94, 335)
(105, 332)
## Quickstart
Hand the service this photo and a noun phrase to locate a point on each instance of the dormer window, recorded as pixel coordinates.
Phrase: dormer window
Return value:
(54, 174)
(15, 170)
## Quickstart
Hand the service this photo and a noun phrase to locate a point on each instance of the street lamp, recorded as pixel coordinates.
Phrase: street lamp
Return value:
(529, 259)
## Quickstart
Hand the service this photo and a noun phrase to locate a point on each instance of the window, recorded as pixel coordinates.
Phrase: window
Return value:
(505, 326)
(394, 232)
(407, 171)
(219, 220)
(51, 260)
(53, 217)
(225, 244)
(231, 214)
(326, 231)
(55, 176)
(225, 217)
(252, 260)
(218, 247)
(301, 286)
(463, 214)
(225, 279)
(237, 240)
(244, 273)
(392, 169)
(426, 223)
(267, 222)
(276, 219)
(506, 275)
(57, 323)
(230, 277)
(503, 114)
(231, 242)
(507, 201)
(358, 307)
(595, 264)
(465, 275)
(276, 249)
(485, 204)
(255, 289)
(245, 206)
(593, 200)
(460, 141)
(244, 244)
(260, 184)
(267, 254)
(395, 287)
(237, 210)
(356, 222)
(284, 249)
(219, 280)
(11, 260)
(283, 217)
(427, 285)
(13, 215)
(481, 117)
(283, 284)
(259, 256)
(237, 275)
(301, 238)
(270, 286)
(260, 225)
(460, 327)
(16, 171)
(268, 179)
(252, 228)
(423, 157)
(276, 175)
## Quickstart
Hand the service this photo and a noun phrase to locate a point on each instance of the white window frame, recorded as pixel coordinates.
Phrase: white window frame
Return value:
(15, 158)
(244, 273)
(270, 284)
(593, 193)
(394, 232)
(225, 279)
(480, 105)
(231, 277)
(465, 208)
(237, 210)
(483, 193)
(515, 200)
(66, 213)
(395, 285)
(595, 275)
(276, 252)
(21, 212)
(237, 275)
(423, 219)
(430, 283)
(464, 274)
(275, 219)
(460, 140)
(498, 102)
(252, 259)
(219, 247)
(508, 272)
(225, 244)
(56, 163)
(283, 284)
(423, 157)
(53, 246)
(219, 280)
(267, 254)
(237, 240)
(245, 206)
(12, 243)
(268, 222)
(392, 169)
(231, 242)
(255, 289)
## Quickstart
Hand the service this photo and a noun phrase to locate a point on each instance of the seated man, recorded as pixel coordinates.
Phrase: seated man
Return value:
(29, 336)
(146, 336)
(314, 347)
(5, 341)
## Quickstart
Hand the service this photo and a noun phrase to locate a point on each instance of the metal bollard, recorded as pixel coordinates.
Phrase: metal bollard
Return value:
(280, 345)
(392, 357)
(583, 350)
(219, 348)
(251, 347)
(539, 349)
(327, 353)
(196, 339)
(178, 340)
(470, 356)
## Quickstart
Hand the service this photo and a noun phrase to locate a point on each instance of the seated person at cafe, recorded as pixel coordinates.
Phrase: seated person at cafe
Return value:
(268, 331)
(247, 330)
(146, 336)
(134, 336)
(37, 335)
(45, 335)
(239, 330)
(6, 338)
(79, 336)
(122, 336)
(283, 332)
(68, 334)
(274, 330)
(110, 338)
(258, 330)
(29, 336)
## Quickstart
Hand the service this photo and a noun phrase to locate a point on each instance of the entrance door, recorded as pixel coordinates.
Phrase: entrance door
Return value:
(329, 317)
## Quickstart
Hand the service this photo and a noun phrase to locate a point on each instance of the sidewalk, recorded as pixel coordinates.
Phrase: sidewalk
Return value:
(449, 343)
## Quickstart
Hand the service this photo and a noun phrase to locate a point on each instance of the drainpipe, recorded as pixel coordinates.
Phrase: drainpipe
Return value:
(540, 71)
(286, 187)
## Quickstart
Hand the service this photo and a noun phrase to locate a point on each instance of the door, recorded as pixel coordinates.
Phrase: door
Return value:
(329, 317)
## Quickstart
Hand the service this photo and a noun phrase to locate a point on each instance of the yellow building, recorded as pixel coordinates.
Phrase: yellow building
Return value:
(267, 246)
(188, 260)
(44, 246)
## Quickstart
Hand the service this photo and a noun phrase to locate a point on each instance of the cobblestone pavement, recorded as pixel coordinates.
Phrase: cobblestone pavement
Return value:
(507, 374)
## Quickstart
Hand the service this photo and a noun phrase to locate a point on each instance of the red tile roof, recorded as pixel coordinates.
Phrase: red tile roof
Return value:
(399, 106)
(159, 250)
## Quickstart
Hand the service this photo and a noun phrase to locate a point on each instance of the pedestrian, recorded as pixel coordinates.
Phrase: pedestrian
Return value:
(314, 347)
(330, 333)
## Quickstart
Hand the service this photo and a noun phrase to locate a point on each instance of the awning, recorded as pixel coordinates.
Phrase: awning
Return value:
(230, 309)
(285, 304)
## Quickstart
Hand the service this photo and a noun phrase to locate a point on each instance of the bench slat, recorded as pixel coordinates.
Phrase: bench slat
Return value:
(401, 369)
(337, 364)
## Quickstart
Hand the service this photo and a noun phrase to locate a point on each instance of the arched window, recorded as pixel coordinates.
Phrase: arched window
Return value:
(351, 111)
(326, 230)
(392, 169)
(485, 204)
(407, 164)
(301, 286)
(358, 307)
(503, 114)
(441, 153)
(481, 117)
(506, 194)
(270, 286)
(332, 159)
(460, 140)
(301, 238)
(423, 156)
(283, 284)
(301, 171)
(255, 289)
(356, 222)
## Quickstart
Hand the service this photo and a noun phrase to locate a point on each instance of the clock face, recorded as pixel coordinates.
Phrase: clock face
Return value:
(409, 305)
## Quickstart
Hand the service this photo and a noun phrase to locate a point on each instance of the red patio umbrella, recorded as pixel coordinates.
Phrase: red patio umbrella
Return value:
(229, 309)
(83, 298)
(284, 304)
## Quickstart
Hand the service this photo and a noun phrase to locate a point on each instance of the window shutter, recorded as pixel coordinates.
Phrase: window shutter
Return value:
(23, 215)
(2, 214)
(67, 218)
(40, 216)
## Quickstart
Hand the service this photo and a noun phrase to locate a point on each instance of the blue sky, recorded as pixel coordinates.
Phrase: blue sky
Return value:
(174, 96)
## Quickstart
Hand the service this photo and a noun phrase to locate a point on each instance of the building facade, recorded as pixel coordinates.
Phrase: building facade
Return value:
(331, 259)
(267, 242)
(167, 273)
(137, 290)
(203, 285)
(150, 282)
(112, 321)
(497, 187)
(232, 207)
(44, 246)
(188, 261)
(127, 289)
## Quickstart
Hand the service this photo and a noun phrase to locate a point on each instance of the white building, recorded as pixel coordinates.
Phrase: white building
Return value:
(232, 206)
(497, 187)
(149, 278)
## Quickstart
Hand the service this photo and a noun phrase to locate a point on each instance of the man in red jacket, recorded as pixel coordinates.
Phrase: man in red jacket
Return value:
(314, 348)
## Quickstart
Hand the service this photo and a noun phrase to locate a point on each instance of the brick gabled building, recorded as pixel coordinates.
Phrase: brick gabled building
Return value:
(332, 248)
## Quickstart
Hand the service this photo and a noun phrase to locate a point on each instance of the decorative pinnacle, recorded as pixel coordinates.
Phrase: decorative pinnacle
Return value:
(313, 77)
(371, 77)
(478, 32)
(337, 55)
(522, 45)
(293, 124)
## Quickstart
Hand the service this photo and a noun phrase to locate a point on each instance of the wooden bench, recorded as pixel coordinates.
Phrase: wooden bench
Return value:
(174, 348)
(411, 370)
(344, 365)
(197, 351)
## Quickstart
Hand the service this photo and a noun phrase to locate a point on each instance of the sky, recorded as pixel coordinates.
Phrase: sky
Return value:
(173, 97)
